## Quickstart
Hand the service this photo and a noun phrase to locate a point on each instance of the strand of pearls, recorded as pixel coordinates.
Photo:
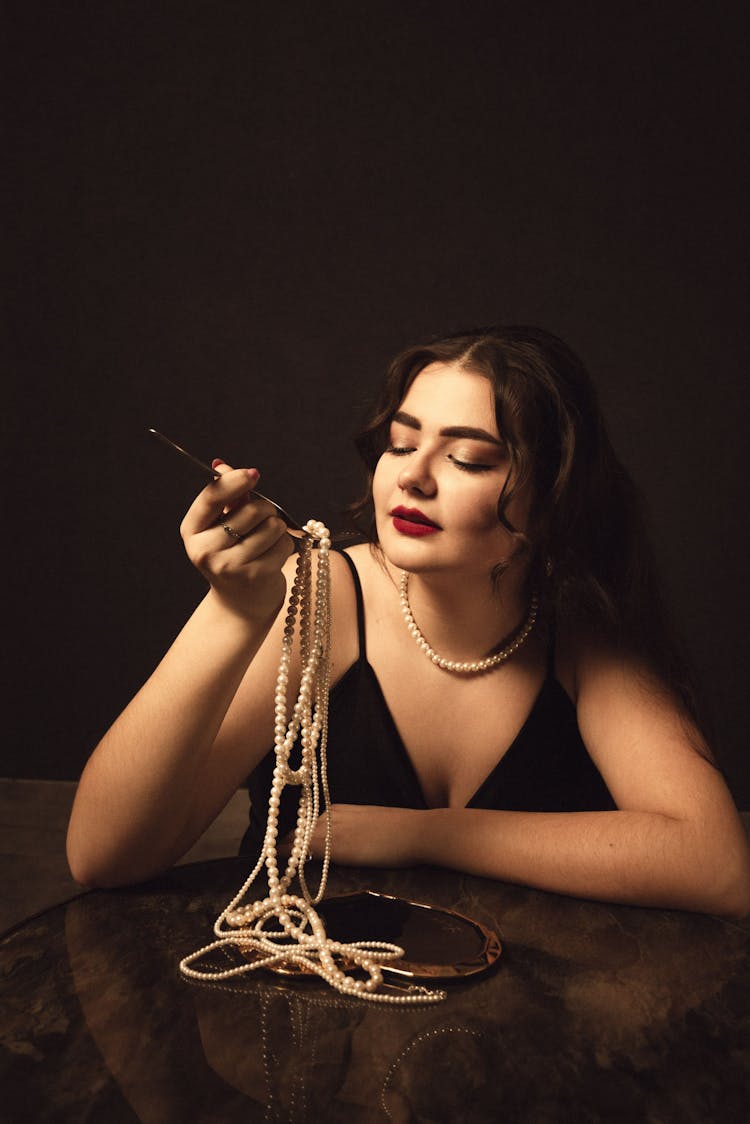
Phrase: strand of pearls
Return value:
(467, 667)
(284, 928)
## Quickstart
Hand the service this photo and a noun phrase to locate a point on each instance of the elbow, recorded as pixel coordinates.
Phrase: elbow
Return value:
(734, 903)
(84, 868)
(714, 871)
(735, 908)
(87, 859)
(93, 875)
(730, 887)
(79, 863)
(96, 871)
(101, 857)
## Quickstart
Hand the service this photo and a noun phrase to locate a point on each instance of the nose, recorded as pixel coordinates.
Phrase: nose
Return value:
(416, 475)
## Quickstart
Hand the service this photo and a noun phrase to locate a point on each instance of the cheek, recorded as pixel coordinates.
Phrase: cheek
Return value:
(474, 509)
(382, 491)
(383, 479)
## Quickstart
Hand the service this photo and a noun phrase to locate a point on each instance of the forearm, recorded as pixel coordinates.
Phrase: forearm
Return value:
(631, 857)
(136, 792)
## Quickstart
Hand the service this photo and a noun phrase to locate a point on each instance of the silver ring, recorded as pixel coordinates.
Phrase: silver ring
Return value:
(232, 534)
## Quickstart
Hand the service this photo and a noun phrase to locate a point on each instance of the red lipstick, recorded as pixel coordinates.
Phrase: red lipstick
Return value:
(412, 521)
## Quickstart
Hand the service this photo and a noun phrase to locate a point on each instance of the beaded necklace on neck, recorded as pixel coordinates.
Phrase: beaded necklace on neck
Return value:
(466, 667)
(284, 929)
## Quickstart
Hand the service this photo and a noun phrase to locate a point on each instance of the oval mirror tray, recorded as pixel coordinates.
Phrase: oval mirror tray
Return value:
(438, 944)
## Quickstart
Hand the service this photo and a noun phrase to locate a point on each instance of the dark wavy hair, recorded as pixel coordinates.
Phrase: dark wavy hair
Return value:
(586, 542)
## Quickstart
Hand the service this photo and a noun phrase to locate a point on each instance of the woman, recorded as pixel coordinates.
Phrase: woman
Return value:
(574, 763)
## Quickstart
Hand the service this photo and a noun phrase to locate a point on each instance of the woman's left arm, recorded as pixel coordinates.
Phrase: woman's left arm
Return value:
(675, 841)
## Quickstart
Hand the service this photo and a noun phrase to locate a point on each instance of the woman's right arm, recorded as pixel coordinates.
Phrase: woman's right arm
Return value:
(174, 756)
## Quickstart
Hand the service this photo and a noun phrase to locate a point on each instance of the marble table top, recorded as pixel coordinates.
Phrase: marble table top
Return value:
(592, 1013)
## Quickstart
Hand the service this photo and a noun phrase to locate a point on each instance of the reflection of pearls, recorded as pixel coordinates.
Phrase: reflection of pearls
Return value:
(298, 937)
(425, 1036)
(467, 667)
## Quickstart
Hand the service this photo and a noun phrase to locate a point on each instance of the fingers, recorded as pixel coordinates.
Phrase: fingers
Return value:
(262, 542)
(226, 517)
(250, 516)
(232, 486)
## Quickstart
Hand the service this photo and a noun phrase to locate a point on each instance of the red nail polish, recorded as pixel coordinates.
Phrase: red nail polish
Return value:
(216, 461)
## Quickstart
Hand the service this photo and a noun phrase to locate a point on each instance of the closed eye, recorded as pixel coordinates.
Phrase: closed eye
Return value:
(399, 450)
(470, 466)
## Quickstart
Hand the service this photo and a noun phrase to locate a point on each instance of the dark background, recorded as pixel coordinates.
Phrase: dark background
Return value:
(226, 217)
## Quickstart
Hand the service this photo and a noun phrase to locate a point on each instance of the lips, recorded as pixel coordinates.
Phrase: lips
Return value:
(412, 521)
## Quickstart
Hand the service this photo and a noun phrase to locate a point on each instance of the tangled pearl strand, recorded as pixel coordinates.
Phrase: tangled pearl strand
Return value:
(299, 939)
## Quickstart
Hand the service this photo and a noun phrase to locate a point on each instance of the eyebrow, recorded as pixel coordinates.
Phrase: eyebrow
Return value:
(448, 431)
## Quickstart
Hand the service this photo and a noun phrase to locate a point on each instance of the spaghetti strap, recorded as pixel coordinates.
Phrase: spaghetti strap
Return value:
(360, 604)
(551, 643)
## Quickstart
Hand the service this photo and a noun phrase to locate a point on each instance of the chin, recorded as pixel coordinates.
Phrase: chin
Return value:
(405, 553)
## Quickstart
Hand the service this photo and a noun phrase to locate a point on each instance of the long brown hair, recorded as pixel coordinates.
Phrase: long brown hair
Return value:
(586, 542)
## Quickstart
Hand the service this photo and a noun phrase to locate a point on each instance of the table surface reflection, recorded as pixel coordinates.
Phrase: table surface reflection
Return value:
(592, 1013)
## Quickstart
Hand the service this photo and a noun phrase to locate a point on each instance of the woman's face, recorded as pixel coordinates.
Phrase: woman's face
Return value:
(437, 485)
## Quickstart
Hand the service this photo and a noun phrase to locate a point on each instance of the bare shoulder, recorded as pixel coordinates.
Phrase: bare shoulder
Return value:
(649, 750)
(587, 666)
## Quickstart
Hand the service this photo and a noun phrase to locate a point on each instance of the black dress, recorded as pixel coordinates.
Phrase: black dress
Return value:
(547, 768)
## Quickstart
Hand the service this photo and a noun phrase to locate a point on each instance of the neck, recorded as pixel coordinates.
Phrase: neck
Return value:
(466, 620)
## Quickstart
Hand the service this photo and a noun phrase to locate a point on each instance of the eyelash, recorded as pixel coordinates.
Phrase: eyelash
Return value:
(467, 466)
(464, 466)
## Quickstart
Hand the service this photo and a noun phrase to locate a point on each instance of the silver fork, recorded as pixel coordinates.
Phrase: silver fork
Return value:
(295, 528)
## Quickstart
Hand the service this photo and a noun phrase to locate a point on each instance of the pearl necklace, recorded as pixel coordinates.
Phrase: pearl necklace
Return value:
(467, 667)
(297, 938)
